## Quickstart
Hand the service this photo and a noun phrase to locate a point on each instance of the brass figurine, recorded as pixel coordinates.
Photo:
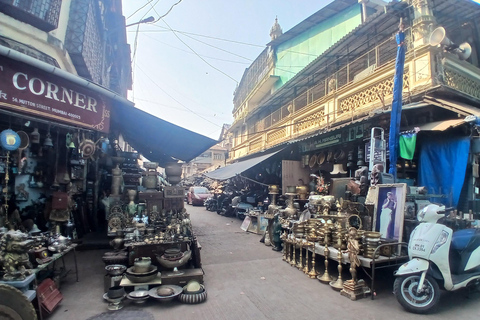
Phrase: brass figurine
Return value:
(354, 289)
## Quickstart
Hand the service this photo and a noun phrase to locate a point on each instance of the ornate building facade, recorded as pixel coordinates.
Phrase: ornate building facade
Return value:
(324, 84)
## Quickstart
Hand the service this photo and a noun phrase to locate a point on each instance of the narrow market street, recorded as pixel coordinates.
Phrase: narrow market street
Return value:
(244, 280)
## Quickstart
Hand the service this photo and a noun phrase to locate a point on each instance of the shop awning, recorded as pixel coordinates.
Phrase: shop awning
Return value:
(458, 107)
(442, 125)
(156, 139)
(234, 169)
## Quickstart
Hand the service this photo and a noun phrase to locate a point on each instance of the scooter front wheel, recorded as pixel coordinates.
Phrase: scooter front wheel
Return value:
(405, 289)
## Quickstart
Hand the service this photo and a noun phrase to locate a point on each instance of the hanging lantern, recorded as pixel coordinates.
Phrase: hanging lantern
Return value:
(35, 136)
(48, 140)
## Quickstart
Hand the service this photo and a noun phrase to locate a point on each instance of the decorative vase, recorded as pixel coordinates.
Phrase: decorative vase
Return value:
(173, 170)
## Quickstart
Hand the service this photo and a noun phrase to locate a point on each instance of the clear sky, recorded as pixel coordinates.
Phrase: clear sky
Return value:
(188, 76)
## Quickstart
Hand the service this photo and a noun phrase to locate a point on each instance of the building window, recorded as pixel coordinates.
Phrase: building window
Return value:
(42, 14)
(217, 156)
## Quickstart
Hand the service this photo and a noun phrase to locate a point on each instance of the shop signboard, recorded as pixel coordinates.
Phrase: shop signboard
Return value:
(322, 142)
(29, 90)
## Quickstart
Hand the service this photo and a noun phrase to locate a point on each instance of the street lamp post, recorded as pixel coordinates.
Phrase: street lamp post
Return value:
(146, 20)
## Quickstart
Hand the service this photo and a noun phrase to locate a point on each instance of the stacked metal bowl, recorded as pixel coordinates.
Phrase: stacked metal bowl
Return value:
(193, 293)
(141, 277)
(371, 240)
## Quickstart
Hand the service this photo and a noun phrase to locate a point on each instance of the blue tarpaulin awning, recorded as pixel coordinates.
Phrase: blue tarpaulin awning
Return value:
(234, 169)
(156, 139)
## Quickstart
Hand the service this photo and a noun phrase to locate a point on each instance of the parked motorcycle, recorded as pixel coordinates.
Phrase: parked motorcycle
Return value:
(211, 203)
(439, 257)
(224, 204)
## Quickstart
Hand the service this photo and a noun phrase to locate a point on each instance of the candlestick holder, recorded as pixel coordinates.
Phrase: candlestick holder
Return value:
(293, 261)
(306, 244)
(300, 260)
(326, 278)
(313, 273)
(338, 284)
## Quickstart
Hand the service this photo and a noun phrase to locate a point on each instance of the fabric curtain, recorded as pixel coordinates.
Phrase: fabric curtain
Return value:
(406, 144)
(443, 165)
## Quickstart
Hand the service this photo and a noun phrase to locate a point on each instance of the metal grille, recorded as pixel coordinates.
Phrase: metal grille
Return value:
(84, 39)
(252, 76)
(42, 14)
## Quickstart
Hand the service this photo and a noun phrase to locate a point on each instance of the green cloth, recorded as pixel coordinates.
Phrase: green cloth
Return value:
(407, 144)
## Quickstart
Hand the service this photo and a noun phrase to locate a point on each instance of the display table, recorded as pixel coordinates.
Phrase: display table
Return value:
(367, 263)
(59, 255)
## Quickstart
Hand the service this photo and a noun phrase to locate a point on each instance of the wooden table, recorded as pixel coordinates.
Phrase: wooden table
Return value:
(59, 255)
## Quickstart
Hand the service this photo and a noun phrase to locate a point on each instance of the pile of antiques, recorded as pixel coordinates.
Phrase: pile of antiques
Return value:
(156, 253)
(367, 223)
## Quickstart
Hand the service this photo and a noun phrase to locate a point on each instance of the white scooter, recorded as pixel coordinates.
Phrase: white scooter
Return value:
(439, 257)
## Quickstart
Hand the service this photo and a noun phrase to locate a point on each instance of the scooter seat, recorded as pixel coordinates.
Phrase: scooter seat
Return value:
(462, 238)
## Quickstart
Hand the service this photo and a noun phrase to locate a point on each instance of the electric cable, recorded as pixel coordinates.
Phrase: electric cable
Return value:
(170, 107)
(174, 98)
(189, 52)
(146, 4)
(161, 17)
(225, 74)
(210, 45)
(208, 109)
(201, 35)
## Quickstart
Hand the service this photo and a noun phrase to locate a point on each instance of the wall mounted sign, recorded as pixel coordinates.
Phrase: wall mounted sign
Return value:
(29, 90)
(321, 142)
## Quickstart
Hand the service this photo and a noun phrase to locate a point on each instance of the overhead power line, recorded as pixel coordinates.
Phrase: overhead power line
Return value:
(146, 74)
(201, 58)
(189, 52)
(146, 4)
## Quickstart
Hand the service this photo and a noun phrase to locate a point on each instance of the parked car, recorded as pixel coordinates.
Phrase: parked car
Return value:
(197, 195)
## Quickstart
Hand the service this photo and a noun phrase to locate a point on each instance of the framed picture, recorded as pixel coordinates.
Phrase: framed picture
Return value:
(263, 223)
(389, 210)
(253, 227)
(246, 223)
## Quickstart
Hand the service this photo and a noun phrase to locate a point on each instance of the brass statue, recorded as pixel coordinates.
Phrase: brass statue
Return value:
(14, 259)
(354, 289)
(353, 249)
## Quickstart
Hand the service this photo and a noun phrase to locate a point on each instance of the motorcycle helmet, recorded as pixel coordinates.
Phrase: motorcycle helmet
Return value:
(431, 213)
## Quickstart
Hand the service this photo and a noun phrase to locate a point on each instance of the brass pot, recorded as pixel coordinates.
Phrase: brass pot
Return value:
(142, 264)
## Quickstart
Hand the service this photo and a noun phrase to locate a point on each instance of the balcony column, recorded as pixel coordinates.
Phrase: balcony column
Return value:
(423, 22)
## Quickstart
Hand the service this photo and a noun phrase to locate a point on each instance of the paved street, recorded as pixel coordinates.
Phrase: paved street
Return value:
(247, 280)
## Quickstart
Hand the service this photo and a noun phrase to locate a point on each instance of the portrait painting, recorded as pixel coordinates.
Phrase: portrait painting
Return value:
(389, 211)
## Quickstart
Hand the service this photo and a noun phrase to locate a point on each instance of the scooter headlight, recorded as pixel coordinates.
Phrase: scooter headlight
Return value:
(441, 240)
